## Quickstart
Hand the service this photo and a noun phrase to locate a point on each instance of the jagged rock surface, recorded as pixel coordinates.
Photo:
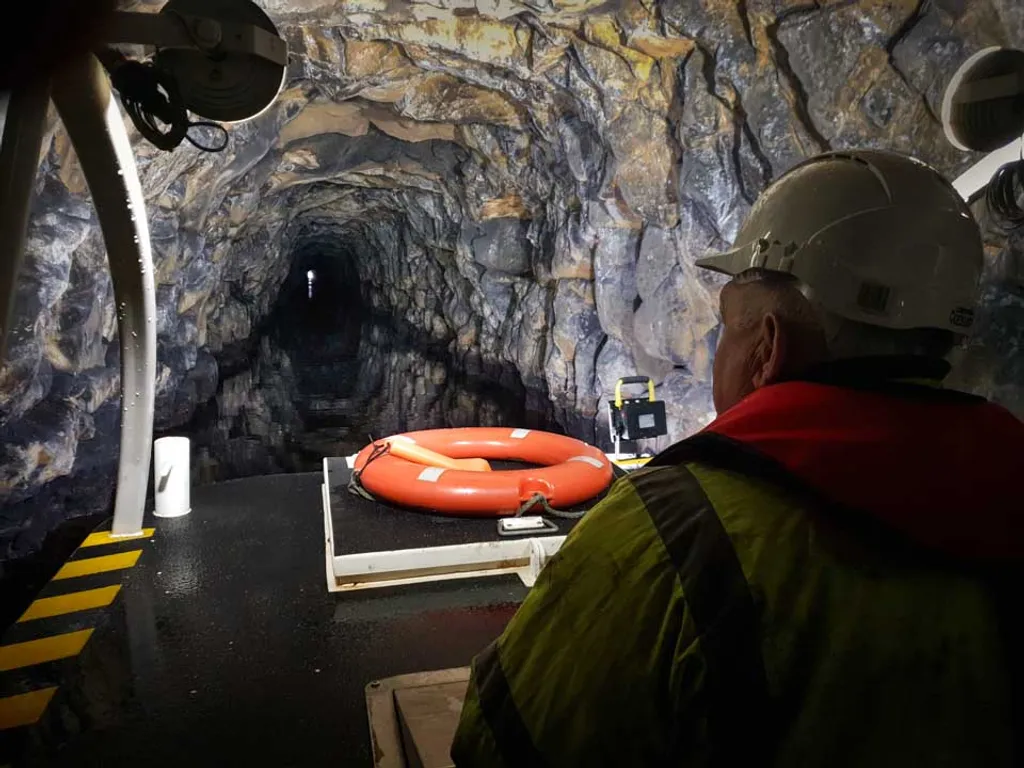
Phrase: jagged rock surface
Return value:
(527, 185)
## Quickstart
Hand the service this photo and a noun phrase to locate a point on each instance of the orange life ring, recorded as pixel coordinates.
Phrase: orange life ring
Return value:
(572, 471)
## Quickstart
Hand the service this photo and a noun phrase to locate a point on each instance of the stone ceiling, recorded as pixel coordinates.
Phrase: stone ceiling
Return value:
(527, 183)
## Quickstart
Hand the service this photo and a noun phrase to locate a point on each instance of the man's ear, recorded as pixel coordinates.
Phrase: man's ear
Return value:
(770, 352)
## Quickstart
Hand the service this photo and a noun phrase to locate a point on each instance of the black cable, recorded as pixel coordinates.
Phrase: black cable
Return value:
(207, 124)
(540, 500)
(1005, 195)
(150, 95)
(355, 483)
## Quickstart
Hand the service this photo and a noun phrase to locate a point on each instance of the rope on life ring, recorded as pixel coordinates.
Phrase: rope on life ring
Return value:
(540, 500)
(355, 485)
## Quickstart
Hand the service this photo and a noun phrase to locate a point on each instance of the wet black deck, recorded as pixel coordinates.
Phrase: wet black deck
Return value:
(361, 525)
(225, 648)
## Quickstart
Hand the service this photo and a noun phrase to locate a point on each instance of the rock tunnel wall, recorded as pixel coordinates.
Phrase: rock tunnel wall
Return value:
(525, 186)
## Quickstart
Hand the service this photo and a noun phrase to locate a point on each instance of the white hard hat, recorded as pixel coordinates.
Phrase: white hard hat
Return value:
(873, 236)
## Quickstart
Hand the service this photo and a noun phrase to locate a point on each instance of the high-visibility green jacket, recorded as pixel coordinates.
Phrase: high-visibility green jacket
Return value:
(814, 581)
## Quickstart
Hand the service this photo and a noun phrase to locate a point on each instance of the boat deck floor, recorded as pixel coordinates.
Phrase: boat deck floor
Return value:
(223, 646)
(362, 525)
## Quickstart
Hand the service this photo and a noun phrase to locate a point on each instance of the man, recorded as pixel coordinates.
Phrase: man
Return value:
(824, 576)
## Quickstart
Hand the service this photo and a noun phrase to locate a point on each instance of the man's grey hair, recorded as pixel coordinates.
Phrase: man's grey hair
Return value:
(843, 338)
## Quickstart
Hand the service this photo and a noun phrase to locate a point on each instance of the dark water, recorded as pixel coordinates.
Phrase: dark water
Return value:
(325, 375)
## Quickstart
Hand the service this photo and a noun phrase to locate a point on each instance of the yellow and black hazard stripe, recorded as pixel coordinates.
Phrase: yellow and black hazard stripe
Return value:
(59, 623)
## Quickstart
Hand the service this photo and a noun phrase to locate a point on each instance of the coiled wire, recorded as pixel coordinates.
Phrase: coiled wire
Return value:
(1005, 195)
(150, 97)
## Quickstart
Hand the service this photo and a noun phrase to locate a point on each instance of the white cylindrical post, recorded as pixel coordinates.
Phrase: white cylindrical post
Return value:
(171, 476)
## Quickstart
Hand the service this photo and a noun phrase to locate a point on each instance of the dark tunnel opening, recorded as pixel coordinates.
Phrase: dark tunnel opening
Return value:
(327, 370)
(320, 299)
(317, 323)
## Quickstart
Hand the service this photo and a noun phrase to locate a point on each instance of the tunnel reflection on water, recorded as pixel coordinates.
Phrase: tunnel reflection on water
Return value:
(326, 373)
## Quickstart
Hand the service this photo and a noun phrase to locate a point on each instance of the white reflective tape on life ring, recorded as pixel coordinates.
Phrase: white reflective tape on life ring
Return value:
(402, 439)
(589, 460)
(431, 474)
(519, 434)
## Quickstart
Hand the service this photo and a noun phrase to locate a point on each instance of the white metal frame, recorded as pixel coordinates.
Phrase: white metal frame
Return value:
(524, 557)
(82, 95)
(93, 121)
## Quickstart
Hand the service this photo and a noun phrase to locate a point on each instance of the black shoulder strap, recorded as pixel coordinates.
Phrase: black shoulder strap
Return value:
(1006, 589)
(725, 453)
(726, 617)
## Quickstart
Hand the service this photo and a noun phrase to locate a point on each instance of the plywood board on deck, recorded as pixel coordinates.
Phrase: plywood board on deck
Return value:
(413, 718)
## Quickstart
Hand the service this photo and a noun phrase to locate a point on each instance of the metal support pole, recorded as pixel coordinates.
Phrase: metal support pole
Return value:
(195, 33)
(96, 128)
(22, 118)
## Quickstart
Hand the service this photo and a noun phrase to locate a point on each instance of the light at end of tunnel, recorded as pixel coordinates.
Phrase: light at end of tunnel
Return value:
(310, 279)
